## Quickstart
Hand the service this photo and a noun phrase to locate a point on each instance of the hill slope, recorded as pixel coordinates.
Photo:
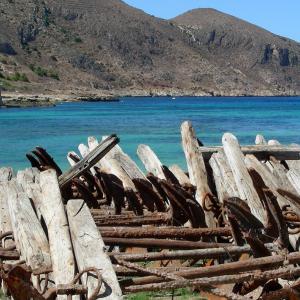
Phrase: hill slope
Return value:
(100, 46)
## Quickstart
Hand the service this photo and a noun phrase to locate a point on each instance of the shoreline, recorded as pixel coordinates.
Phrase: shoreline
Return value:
(22, 100)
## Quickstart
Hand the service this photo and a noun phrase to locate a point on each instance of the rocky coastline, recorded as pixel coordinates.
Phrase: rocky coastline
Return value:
(22, 100)
(18, 100)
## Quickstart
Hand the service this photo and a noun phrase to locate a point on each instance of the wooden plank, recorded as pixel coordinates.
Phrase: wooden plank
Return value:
(5, 222)
(223, 177)
(29, 179)
(28, 232)
(53, 211)
(89, 250)
(150, 161)
(262, 152)
(241, 176)
(196, 166)
(180, 175)
(89, 161)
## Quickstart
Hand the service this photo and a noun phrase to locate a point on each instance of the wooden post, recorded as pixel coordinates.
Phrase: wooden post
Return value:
(29, 181)
(150, 161)
(196, 167)
(180, 175)
(5, 222)
(126, 162)
(28, 232)
(224, 181)
(55, 218)
(236, 161)
(89, 250)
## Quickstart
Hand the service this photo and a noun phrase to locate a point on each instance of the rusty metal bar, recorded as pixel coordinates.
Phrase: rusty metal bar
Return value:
(285, 273)
(226, 252)
(9, 254)
(160, 243)
(156, 219)
(163, 232)
(275, 261)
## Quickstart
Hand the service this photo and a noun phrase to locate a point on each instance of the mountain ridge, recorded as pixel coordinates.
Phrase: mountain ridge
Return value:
(109, 47)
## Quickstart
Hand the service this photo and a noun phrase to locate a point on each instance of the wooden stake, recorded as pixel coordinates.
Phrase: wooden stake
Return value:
(242, 178)
(58, 230)
(196, 167)
(89, 250)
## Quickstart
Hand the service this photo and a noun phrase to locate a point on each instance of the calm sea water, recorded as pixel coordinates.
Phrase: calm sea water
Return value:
(152, 121)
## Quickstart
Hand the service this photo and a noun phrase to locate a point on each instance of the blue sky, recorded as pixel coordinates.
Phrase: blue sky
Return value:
(280, 17)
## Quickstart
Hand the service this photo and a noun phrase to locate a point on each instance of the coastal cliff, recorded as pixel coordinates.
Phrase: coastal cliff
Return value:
(107, 48)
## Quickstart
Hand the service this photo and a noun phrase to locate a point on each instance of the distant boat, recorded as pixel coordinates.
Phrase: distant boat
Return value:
(173, 98)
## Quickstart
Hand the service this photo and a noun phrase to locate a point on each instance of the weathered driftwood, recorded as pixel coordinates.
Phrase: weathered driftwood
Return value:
(28, 232)
(242, 178)
(294, 178)
(28, 175)
(196, 166)
(151, 161)
(223, 177)
(260, 140)
(180, 175)
(55, 218)
(89, 161)
(280, 172)
(126, 162)
(262, 152)
(5, 222)
(89, 250)
(112, 166)
(268, 177)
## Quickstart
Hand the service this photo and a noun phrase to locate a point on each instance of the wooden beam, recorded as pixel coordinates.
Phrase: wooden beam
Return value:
(223, 177)
(236, 161)
(89, 161)
(89, 251)
(180, 175)
(150, 161)
(28, 232)
(262, 152)
(196, 167)
(53, 211)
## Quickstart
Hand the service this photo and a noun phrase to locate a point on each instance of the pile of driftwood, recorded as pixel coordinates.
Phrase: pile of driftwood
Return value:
(229, 228)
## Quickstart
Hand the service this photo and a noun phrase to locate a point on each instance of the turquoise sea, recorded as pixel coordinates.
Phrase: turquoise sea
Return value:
(152, 121)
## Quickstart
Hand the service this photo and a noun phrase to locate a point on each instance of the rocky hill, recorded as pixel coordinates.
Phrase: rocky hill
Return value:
(108, 47)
